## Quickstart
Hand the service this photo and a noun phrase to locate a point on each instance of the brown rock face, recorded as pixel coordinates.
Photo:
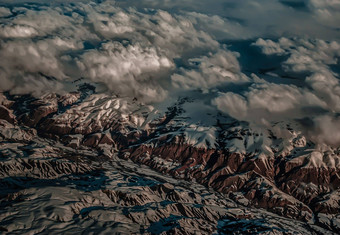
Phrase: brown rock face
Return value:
(328, 203)
(7, 114)
(40, 109)
(226, 173)
(5, 110)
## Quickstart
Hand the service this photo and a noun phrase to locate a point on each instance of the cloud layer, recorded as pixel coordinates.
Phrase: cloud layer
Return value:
(258, 18)
(130, 52)
(175, 47)
(315, 98)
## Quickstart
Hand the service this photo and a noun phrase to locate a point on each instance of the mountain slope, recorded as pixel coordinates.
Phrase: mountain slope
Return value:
(71, 140)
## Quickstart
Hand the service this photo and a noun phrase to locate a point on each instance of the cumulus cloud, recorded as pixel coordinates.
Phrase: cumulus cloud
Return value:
(35, 57)
(303, 55)
(323, 129)
(312, 56)
(27, 63)
(127, 70)
(270, 102)
(315, 99)
(258, 18)
(269, 47)
(210, 71)
(44, 21)
(327, 11)
(174, 35)
(18, 31)
(33, 46)
(4, 12)
(128, 51)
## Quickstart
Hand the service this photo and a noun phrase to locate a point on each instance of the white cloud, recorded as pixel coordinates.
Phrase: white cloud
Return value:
(327, 11)
(4, 12)
(27, 56)
(210, 71)
(128, 71)
(174, 35)
(17, 31)
(269, 101)
(325, 130)
(316, 98)
(256, 18)
(44, 21)
(303, 55)
(269, 47)
(130, 52)
(310, 56)
(220, 27)
(327, 86)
